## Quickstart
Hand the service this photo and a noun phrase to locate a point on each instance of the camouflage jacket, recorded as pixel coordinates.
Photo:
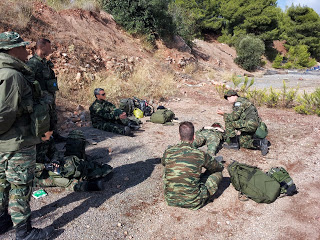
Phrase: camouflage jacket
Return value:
(16, 105)
(43, 73)
(182, 170)
(103, 111)
(242, 109)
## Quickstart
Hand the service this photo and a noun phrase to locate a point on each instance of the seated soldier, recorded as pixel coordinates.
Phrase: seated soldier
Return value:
(184, 183)
(244, 119)
(105, 116)
(73, 174)
(210, 136)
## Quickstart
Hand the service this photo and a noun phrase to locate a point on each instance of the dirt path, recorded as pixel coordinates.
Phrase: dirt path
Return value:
(132, 205)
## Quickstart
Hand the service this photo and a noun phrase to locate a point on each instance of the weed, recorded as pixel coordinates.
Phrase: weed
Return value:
(309, 103)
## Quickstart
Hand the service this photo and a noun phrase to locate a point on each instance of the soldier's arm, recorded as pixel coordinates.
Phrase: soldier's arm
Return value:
(211, 164)
(107, 112)
(36, 69)
(236, 113)
(199, 140)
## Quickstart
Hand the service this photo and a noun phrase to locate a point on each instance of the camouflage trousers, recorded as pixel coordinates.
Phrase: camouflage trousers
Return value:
(44, 178)
(16, 176)
(208, 137)
(247, 129)
(46, 150)
(110, 127)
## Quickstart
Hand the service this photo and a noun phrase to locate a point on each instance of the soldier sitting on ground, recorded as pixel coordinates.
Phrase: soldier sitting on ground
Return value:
(105, 116)
(184, 183)
(244, 119)
(210, 136)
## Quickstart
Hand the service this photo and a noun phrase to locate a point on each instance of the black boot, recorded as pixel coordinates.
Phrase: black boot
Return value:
(26, 232)
(262, 145)
(127, 131)
(5, 222)
(234, 143)
(96, 185)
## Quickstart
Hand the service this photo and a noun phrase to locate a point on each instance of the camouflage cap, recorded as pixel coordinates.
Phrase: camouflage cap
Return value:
(9, 40)
(230, 93)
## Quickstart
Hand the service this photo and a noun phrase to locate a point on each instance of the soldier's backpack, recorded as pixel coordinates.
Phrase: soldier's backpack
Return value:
(76, 144)
(253, 183)
(162, 116)
(287, 186)
(127, 105)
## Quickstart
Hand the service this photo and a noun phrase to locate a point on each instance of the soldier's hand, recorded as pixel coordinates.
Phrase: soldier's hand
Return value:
(47, 136)
(123, 115)
(220, 112)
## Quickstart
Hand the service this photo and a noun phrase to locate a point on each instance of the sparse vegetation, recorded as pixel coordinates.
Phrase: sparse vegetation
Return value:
(309, 103)
(146, 82)
(90, 5)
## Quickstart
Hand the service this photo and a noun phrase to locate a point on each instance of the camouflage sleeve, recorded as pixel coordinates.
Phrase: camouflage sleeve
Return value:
(211, 164)
(199, 140)
(237, 112)
(36, 69)
(106, 112)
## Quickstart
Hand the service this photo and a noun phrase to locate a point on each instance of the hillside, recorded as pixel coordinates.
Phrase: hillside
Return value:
(132, 205)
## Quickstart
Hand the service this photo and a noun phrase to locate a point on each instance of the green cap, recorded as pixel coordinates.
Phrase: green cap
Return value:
(230, 93)
(9, 40)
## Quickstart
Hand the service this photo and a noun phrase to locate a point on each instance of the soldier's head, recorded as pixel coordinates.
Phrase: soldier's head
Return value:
(43, 47)
(231, 96)
(99, 93)
(186, 131)
(12, 44)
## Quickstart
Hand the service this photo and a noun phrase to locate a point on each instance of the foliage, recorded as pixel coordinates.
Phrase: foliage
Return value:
(149, 18)
(249, 51)
(309, 103)
(301, 26)
(277, 61)
(242, 84)
(300, 57)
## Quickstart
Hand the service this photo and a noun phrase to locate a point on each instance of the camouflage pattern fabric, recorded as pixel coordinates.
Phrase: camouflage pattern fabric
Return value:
(16, 175)
(46, 150)
(209, 137)
(105, 116)
(44, 74)
(184, 184)
(244, 118)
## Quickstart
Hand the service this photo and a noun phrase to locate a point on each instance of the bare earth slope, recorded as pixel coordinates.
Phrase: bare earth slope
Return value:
(132, 205)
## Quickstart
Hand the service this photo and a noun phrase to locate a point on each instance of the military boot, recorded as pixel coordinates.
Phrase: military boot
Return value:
(26, 232)
(127, 131)
(262, 145)
(96, 185)
(5, 222)
(234, 144)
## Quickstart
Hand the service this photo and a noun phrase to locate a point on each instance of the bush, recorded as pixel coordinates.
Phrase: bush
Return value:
(309, 103)
(277, 61)
(249, 51)
(144, 17)
(300, 57)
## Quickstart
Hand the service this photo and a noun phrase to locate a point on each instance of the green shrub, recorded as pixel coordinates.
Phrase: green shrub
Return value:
(300, 57)
(277, 61)
(249, 51)
(309, 103)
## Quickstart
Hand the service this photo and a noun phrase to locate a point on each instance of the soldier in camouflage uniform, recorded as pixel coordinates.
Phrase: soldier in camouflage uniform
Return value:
(245, 119)
(105, 116)
(17, 144)
(184, 183)
(210, 136)
(43, 73)
(73, 174)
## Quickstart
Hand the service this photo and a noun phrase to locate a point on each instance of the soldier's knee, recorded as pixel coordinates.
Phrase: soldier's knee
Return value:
(20, 192)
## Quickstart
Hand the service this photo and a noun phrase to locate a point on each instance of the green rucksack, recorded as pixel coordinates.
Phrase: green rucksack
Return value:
(76, 144)
(287, 186)
(162, 116)
(253, 183)
(128, 105)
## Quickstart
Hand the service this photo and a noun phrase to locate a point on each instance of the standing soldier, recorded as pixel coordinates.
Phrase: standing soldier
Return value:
(184, 183)
(245, 119)
(43, 73)
(17, 143)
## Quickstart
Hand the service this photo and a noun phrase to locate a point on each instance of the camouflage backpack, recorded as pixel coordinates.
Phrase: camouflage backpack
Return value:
(287, 186)
(127, 105)
(75, 144)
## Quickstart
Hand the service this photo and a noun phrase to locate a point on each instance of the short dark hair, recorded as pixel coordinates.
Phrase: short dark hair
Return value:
(41, 42)
(186, 131)
(97, 91)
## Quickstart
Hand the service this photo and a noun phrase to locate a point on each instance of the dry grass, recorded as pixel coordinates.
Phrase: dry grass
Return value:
(16, 13)
(90, 5)
(146, 82)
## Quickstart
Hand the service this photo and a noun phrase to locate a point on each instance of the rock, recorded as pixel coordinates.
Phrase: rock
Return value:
(78, 77)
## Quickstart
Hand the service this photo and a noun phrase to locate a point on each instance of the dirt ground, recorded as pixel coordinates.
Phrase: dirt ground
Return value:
(132, 205)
